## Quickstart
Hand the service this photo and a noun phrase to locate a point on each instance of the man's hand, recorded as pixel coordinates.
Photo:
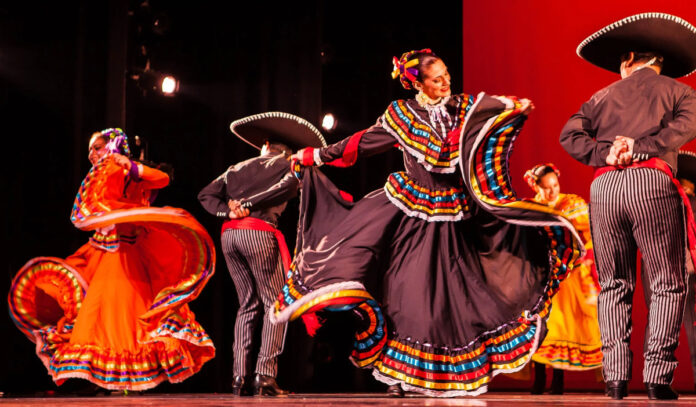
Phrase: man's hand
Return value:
(621, 152)
(298, 155)
(122, 161)
(527, 106)
(626, 157)
(236, 210)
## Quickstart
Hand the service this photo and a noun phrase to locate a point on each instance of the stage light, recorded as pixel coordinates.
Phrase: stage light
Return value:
(149, 80)
(169, 85)
(328, 122)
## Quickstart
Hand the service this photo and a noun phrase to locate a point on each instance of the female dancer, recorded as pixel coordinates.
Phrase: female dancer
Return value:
(449, 289)
(573, 340)
(115, 312)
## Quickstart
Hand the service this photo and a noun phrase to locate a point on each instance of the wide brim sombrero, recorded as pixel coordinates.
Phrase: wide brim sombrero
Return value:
(686, 165)
(665, 34)
(282, 127)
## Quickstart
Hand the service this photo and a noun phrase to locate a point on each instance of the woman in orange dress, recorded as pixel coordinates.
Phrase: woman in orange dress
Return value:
(572, 342)
(115, 312)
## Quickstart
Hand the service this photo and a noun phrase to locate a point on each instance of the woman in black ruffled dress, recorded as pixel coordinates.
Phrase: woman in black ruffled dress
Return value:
(449, 272)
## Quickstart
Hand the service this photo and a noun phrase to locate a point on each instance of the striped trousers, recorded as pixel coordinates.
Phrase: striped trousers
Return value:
(254, 262)
(689, 311)
(638, 209)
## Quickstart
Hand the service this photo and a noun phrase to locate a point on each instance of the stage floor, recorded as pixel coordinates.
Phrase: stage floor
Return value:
(348, 400)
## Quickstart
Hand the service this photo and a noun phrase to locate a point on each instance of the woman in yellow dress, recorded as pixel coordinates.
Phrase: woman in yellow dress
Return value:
(572, 342)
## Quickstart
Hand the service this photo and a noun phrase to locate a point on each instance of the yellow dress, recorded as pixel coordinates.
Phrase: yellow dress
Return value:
(573, 341)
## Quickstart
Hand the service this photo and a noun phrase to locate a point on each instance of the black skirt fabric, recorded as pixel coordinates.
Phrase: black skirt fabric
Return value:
(444, 305)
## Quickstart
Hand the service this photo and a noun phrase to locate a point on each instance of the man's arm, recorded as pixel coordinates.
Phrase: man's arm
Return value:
(674, 134)
(213, 197)
(280, 192)
(578, 139)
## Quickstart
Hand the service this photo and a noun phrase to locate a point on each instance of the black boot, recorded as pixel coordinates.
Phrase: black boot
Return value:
(267, 386)
(539, 378)
(661, 392)
(617, 389)
(557, 382)
(395, 390)
(239, 386)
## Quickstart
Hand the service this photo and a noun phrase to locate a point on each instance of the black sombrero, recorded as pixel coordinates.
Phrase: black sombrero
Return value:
(686, 165)
(665, 34)
(283, 127)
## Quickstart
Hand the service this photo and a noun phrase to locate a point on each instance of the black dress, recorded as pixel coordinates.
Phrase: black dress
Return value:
(450, 274)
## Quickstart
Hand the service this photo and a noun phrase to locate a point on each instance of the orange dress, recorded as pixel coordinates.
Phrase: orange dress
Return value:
(573, 341)
(115, 312)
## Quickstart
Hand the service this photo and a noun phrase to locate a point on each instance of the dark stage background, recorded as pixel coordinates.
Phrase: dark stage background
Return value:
(62, 76)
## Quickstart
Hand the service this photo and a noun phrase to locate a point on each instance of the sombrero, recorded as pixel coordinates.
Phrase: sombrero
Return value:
(665, 34)
(282, 127)
(686, 165)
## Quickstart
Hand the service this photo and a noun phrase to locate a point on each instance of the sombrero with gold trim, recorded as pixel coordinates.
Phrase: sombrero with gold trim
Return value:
(665, 34)
(283, 127)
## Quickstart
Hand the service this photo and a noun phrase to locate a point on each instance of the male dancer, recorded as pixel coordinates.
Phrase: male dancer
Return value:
(254, 249)
(631, 131)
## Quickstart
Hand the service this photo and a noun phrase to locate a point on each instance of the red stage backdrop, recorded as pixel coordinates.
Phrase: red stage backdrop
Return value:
(527, 49)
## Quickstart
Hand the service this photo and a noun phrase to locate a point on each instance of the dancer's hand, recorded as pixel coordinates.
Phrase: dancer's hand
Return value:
(626, 157)
(527, 106)
(122, 161)
(236, 210)
(298, 155)
(617, 152)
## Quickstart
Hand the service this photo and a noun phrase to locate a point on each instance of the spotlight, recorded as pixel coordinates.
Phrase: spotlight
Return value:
(149, 80)
(328, 122)
(169, 85)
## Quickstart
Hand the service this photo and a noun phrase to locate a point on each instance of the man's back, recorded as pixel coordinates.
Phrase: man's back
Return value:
(656, 111)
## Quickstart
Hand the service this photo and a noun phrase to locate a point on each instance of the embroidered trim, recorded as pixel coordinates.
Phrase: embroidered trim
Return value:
(430, 205)
(419, 137)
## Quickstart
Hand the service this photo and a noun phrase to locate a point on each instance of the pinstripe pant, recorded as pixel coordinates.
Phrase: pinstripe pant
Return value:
(638, 208)
(254, 262)
(689, 311)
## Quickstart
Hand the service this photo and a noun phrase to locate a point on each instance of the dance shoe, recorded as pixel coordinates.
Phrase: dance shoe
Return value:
(267, 386)
(395, 390)
(617, 389)
(661, 392)
(239, 387)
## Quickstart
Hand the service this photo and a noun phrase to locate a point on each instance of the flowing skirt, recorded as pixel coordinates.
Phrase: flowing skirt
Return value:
(573, 341)
(443, 306)
(118, 317)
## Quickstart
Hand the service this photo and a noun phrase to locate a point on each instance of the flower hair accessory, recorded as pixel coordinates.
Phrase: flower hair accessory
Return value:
(406, 69)
(118, 141)
(532, 176)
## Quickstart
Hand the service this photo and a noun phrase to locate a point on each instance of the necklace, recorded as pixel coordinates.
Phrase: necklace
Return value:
(436, 111)
(425, 100)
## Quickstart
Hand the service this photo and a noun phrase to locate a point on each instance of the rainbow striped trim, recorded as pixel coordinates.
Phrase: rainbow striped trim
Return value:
(52, 272)
(430, 205)
(110, 242)
(429, 369)
(436, 152)
(569, 356)
(295, 299)
(154, 363)
(158, 360)
(87, 202)
(448, 372)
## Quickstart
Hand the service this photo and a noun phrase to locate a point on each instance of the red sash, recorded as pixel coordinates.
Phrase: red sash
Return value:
(257, 224)
(661, 165)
